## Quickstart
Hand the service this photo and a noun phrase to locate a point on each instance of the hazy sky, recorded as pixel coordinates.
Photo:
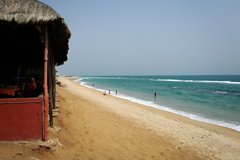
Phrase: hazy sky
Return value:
(146, 37)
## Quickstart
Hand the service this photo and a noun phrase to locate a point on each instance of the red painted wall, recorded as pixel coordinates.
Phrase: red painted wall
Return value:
(21, 119)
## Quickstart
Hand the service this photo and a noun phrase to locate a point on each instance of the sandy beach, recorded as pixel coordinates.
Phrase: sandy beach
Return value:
(94, 126)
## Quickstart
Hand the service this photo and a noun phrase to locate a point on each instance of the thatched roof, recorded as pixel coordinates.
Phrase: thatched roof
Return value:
(34, 12)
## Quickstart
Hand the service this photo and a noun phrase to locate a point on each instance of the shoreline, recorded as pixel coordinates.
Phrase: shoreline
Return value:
(151, 104)
(90, 125)
(199, 123)
(205, 140)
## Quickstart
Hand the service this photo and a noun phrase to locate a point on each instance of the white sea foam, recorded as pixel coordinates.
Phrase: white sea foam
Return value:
(233, 125)
(195, 81)
(221, 92)
(182, 113)
(79, 80)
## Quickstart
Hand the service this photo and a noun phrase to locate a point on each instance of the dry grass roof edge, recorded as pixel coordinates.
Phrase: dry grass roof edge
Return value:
(37, 13)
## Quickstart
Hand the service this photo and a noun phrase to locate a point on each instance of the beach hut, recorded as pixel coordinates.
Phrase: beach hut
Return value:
(34, 39)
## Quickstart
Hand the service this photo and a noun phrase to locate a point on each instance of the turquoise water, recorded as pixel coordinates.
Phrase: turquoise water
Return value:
(213, 99)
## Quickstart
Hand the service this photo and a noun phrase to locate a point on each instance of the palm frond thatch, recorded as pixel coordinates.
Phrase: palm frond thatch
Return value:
(37, 13)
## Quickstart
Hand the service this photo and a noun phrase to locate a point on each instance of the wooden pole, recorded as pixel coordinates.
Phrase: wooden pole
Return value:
(50, 87)
(45, 86)
(54, 82)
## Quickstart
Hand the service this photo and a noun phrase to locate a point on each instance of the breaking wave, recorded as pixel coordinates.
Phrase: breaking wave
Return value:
(196, 81)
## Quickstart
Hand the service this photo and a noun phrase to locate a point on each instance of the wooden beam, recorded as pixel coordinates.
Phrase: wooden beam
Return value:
(45, 86)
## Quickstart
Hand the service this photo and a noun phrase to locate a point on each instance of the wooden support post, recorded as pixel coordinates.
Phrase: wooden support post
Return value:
(45, 86)
(50, 87)
(54, 84)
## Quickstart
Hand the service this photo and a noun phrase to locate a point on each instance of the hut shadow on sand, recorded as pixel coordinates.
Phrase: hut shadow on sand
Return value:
(34, 39)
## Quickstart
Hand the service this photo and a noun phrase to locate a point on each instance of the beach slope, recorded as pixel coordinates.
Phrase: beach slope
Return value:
(94, 126)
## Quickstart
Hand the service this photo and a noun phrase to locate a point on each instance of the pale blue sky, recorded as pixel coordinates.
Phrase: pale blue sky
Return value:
(146, 37)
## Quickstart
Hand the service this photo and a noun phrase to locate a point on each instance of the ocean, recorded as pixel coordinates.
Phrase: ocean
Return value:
(212, 99)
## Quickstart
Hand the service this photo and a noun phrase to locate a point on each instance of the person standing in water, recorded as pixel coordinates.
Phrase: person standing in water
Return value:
(155, 95)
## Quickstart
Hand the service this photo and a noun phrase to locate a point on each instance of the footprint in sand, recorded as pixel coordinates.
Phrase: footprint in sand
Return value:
(77, 155)
(152, 156)
(90, 150)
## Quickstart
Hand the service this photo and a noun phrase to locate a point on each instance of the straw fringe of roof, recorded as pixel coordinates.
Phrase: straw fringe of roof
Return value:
(26, 11)
(35, 12)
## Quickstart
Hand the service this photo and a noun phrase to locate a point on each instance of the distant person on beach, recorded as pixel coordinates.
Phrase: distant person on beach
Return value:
(155, 95)
(116, 92)
(93, 84)
(109, 92)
